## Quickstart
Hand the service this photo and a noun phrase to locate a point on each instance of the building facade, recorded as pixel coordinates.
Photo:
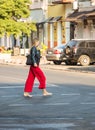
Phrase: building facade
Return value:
(50, 17)
(83, 17)
(59, 21)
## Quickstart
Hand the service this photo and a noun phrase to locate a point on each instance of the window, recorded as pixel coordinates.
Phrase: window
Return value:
(82, 44)
(91, 44)
(72, 43)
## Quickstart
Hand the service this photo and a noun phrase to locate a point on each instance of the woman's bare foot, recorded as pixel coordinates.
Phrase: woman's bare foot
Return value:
(26, 94)
(45, 93)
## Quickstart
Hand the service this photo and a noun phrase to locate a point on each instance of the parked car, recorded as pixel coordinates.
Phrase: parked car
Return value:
(56, 54)
(80, 50)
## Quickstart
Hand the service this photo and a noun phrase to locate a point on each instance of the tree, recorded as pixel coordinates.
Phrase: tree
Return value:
(11, 11)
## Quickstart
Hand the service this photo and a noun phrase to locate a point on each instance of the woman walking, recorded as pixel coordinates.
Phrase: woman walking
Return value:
(35, 72)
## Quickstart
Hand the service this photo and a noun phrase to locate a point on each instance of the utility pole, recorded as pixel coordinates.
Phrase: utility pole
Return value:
(45, 26)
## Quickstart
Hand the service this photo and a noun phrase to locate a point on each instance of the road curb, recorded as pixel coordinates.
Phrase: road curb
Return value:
(80, 69)
(70, 68)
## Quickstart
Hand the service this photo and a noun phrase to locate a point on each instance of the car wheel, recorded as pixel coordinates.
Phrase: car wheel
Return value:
(57, 62)
(84, 60)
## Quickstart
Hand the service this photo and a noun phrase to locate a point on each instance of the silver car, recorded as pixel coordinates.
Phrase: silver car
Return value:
(56, 54)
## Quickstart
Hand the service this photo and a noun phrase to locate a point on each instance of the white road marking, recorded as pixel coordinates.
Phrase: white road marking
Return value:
(56, 118)
(7, 77)
(47, 104)
(55, 104)
(19, 86)
(11, 87)
(47, 125)
(19, 79)
(39, 95)
(10, 96)
(91, 93)
(88, 103)
(71, 94)
(53, 85)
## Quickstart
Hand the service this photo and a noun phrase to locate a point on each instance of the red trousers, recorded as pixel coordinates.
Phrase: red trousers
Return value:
(35, 72)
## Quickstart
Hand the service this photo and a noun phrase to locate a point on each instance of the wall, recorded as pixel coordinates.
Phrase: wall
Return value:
(85, 32)
(68, 10)
(54, 11)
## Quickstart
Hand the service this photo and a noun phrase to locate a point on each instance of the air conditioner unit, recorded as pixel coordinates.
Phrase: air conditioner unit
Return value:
(75, 5)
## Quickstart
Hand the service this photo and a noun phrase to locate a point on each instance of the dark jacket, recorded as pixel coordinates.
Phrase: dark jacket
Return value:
(35, 55)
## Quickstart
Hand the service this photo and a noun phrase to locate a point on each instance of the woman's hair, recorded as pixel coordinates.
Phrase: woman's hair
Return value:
(34, 41)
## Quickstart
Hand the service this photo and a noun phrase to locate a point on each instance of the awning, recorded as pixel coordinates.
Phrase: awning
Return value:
(91, 13)
(75, 16)
(62, 1)
(45, 21)
(80, 15)
(50, 20)
(55, 19)
(72, 17)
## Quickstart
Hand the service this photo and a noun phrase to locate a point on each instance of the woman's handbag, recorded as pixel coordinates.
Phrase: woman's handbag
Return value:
(29, 60)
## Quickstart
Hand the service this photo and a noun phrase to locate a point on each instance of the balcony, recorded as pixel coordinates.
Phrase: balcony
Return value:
(62, 1)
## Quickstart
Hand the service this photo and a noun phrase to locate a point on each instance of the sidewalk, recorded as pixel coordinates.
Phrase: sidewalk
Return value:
(21, 60)
(18, 60)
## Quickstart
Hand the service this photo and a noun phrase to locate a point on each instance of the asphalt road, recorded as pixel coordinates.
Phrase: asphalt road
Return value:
(71, 107)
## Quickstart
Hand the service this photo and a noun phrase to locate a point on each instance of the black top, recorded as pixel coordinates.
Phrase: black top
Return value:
(35, 55)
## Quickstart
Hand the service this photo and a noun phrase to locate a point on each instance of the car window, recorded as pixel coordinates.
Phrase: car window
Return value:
(91, 44)
(72, 43)
(82, 44)
(60, 46)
